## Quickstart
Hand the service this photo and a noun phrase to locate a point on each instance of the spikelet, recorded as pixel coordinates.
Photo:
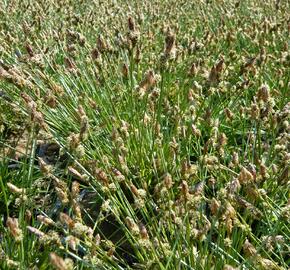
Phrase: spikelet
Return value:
(44, 167)
(170, 49)
(168, 182)
(82, 178)
(150, 80)
(45, 220)
(143, 232)
(84, 125)
(72, 242)
(82, 230)
(133, 34)
(61, 189)
(59, 263)
(65, 219)
(13, 226)
(245, 176)
(133, 227)
(74, 196)
(263, 93)
(35, 231)
(214, 206)
(215, 73)
(15, 189)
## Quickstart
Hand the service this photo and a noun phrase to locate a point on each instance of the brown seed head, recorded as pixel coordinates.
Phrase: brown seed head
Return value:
(75, 189)
(169, 43)
(65, 219)
(59, 263)
(249, 249)
(133, 227)
(45, 220)
(168, 181)
(131, 24)
(143, 232)
(13, 226)
(15, 189)
(44, 168)
(35, 231)
(245, 176)
(263, 93)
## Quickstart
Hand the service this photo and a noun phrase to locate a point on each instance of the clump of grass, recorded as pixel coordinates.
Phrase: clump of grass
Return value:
(149, 135)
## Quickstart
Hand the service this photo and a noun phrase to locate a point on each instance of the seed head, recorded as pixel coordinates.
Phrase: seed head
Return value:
(222, 140)
(95, 54)
(101, 45)
(249, 249)
(215, 73)
(77, 209)
(169, 44)
(28, 216)
(229, 114)
(245, 176)
(44, 167)
(215, 206)
(133, 227)
(35, 231)
(11, 264)
(229, 210)
(65, 219)
(168, 181)
(82, 230)
(84, 127)
(59, 263)
(131, 24)
(255, 111)
(133, 34)
(193, 70)
(15, 189)
(45, 220)
(75, 189)
(266, 264)
(263, 93)
(185, 190)
(149, 80)
(125, 71)
(78, 175)
(143, 232)
(234, 186)
(72, 241)
(111, 251)
(73, 141)
(13, 226)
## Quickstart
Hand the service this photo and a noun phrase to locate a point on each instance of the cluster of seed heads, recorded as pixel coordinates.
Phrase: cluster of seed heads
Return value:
(181, 148)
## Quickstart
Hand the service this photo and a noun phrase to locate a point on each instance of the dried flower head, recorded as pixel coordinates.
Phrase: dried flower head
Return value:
(60, 263)
(215, 73)
(249, 249)
(263, 93)
(65, 219)
(245, 176)
(133, 227)
(13, 226)
(45, 220)
(15, 189)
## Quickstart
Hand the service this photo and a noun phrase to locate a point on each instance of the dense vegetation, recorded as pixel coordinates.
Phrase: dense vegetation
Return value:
(144, 134)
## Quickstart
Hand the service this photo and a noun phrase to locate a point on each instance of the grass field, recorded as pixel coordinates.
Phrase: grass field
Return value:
(144, 134)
